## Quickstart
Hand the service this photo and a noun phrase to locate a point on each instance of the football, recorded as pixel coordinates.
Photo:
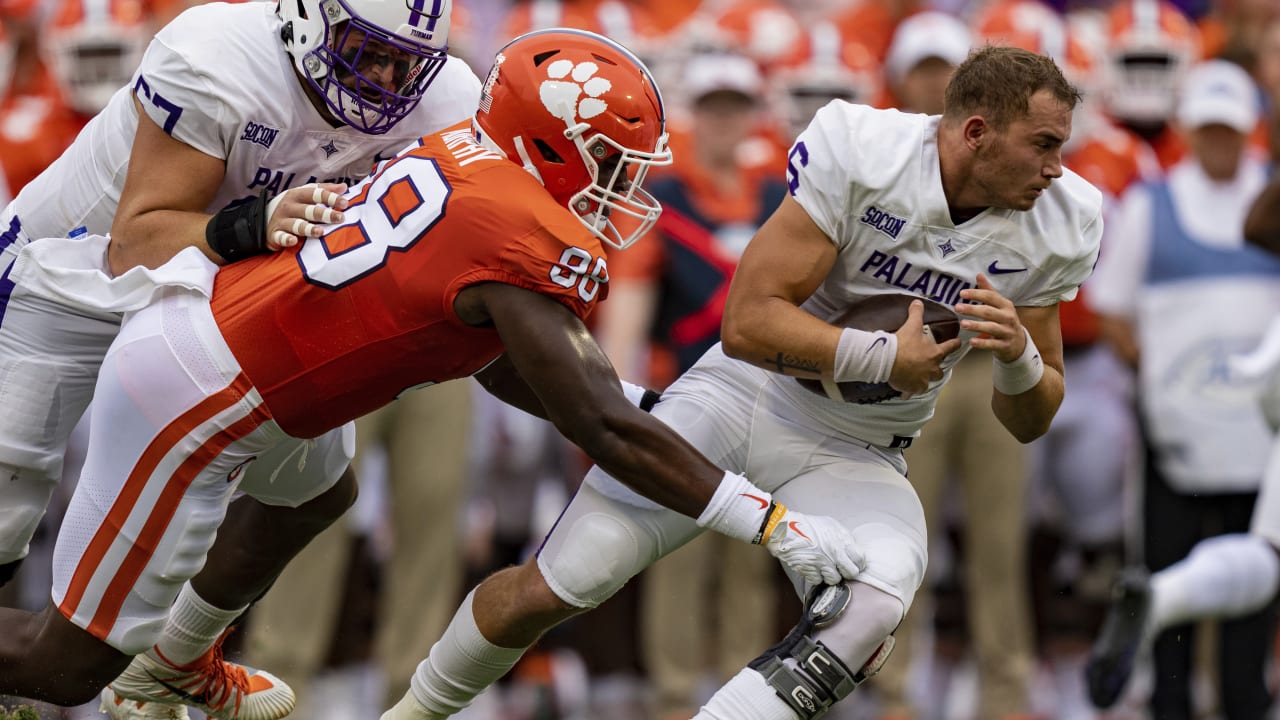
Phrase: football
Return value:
(883, 312)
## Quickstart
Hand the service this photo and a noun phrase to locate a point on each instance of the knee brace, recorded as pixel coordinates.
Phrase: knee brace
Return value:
(803, 671)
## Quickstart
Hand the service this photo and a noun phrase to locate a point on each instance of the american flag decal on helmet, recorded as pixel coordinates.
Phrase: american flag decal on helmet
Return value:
(486, 93)
(421, 11)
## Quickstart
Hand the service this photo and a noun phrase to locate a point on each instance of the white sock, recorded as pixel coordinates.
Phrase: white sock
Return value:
(1223, 577)
(746, 697)
(192, 627)
(458, 668)
(410, 709)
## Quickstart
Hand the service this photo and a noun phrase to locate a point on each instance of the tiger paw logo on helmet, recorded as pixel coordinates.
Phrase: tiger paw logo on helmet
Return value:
(561, 93)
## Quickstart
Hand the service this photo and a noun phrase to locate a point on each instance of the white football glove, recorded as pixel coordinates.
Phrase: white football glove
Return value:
(816, 547)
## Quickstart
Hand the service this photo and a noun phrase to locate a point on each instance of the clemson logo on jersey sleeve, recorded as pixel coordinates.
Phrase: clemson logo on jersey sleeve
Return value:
(563, 98)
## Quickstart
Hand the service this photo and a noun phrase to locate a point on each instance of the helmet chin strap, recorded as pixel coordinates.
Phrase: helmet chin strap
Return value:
(525, 159)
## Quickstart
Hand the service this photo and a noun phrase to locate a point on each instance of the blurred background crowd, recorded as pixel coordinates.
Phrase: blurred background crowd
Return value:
(1179, 129)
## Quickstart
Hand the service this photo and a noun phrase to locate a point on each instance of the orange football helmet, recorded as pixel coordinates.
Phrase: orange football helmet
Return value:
(764, 30)
(1033, 26)
(1003, 22)
(93, 48)
(584, 116)
(1150, 45)
(624, 22)
(825, 66)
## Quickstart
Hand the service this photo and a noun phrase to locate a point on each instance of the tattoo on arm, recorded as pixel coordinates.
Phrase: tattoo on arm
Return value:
(784, 362)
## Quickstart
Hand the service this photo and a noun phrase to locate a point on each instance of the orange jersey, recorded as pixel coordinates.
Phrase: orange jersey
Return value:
(340, 325)
(1111, 158)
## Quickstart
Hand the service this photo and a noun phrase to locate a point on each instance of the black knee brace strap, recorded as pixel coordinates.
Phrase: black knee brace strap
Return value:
(818, 679)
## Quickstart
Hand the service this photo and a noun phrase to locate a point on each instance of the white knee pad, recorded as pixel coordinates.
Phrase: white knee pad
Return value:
(31, 432)
(589, 560)
(24, 495)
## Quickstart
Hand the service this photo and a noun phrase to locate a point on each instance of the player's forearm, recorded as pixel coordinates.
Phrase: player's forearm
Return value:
(151, 239)
(1027, 415)
(778, 336)
(646, 455)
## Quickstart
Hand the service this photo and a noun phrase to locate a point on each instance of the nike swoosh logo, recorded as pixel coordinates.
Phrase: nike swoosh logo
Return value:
(878, 341)
(377, 157)
(200, 699)
(763, 503)
(795, 528)
(1002, 271)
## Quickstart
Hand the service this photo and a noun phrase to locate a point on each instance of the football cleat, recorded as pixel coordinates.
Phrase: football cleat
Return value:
(220, 689)
(1112, 658)
(118, 708)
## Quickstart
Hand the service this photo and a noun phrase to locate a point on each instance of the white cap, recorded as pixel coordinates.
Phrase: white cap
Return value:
(706, 73)
(925, 35)
(1217, 92)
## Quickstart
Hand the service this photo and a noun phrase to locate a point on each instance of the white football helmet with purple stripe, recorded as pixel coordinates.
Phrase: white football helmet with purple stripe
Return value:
(371, 60)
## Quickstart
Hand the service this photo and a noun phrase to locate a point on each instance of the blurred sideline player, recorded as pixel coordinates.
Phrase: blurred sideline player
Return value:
(852, 227)
(232, 105)
(36, 124)
(1180, 254)
(873, 22)
(823, 66)
(93, 47)
(624, 22)
(6, 75)
(1149, 46)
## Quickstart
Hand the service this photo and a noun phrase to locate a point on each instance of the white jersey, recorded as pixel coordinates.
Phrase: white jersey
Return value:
(218, 79)
(871, 181)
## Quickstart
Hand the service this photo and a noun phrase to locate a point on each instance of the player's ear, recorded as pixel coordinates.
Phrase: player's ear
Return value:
(974, 131)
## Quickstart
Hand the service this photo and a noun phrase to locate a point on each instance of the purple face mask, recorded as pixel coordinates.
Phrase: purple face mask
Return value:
(375, 79)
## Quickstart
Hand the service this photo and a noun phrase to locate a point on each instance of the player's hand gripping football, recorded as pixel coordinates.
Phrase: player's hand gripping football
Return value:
(919, 359)
(994, 316)
(297, 214)
(816, 547)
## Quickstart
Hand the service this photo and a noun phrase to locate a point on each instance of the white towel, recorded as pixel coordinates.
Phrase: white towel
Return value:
(73, 272)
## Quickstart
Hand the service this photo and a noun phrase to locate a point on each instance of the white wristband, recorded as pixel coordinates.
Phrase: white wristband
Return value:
(742, 511)
(1019, 376)
(641, 397)
(634, 392)
(865, 356)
